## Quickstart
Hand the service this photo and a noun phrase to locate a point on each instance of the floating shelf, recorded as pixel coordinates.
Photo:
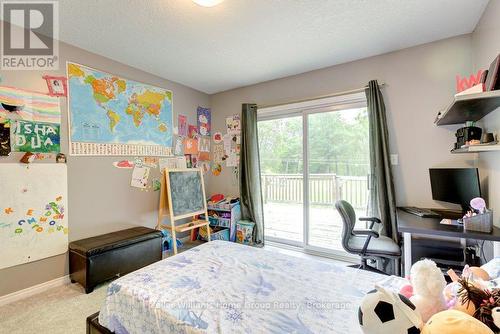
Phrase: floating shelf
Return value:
(477, 149)
(470, 107)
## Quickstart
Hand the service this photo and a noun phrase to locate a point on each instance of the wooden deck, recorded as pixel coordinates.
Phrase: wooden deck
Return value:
(285, 221)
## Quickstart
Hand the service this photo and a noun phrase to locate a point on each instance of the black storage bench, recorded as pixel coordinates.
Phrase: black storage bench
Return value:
(98, 259)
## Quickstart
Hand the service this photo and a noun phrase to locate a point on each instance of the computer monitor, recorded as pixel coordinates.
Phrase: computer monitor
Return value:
(455, 185)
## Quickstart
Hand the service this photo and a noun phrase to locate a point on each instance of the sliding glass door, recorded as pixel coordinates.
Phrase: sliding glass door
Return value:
(281, 163)
(311, 156)
(338, 167)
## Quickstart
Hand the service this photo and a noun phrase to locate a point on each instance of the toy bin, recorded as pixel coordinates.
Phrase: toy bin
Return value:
(479, 223)
(216, 233)
(244, 232)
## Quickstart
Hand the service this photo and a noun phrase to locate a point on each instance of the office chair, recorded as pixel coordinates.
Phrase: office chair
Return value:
(367, 243)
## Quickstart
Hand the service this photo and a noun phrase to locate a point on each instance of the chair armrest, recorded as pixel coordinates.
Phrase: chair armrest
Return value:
(370, 219)
(373, 220)
(367, 231)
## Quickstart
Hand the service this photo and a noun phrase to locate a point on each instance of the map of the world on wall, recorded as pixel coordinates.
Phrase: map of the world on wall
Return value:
(110, 115)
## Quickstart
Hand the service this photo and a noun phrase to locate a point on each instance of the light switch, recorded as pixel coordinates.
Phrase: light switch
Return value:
(394, 159)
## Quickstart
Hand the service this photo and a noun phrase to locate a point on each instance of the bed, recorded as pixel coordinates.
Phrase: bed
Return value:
(224, 287)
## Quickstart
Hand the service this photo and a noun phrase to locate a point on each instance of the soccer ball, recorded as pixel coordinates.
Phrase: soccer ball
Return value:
(383, 312)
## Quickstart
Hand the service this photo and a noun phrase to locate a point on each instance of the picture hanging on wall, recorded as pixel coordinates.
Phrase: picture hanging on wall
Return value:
(16, 103)
(4, 139)
(111, 115)
(204, 121)
(58, 86)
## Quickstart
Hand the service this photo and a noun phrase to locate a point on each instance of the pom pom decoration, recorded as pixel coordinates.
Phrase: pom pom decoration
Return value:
(382, 311)
(478, 204)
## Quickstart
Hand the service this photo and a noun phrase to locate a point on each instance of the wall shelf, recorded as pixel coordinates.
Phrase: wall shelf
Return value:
(470, 107)
(477, 149)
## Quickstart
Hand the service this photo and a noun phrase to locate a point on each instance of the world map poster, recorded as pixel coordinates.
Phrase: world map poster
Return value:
(110, 115)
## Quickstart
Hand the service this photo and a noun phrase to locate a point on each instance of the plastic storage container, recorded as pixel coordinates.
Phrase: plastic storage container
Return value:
(479, 223)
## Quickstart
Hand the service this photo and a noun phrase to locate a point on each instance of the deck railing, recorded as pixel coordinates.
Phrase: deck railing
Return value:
(324, 189)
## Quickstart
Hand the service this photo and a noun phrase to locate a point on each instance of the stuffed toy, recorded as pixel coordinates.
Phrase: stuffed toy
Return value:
(383, 311)
(495, 315)
(454, 322)
(428, 283)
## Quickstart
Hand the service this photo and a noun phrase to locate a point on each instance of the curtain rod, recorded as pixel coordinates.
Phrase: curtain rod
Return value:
(352, 91)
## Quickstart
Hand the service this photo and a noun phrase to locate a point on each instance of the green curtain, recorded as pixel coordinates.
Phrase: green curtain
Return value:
(250, 186)
(382, 197)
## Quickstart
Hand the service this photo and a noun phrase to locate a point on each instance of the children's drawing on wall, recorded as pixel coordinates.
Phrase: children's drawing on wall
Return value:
(218, 155)
(140, 177)
(4, 139)
(125, 164)
(35, 137)
(192, 131)
(216, 169)
(156, 184)
(190, 146)
(33, 213)
(58, 86)
(204, 120)
(217, 137)
(182, 126)
(204, 166)
(204, 144)
(179, 146)
(28, 105)
(233, 124)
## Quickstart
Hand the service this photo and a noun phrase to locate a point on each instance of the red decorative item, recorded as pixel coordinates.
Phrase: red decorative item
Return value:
(465, 83)
(58, 86)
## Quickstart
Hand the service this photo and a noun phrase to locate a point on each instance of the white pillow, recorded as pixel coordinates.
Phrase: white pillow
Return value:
(492, 268)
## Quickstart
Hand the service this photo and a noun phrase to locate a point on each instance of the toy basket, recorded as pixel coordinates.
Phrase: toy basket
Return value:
(479, 223)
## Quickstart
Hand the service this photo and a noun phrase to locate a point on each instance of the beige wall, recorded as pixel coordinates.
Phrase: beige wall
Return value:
(100, 197)
(419, 82)
(486, 46)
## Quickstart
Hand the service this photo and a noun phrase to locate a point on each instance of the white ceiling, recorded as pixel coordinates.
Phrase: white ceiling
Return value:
(242, 42)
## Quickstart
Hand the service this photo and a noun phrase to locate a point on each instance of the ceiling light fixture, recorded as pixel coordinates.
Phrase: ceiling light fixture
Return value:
(207, 3)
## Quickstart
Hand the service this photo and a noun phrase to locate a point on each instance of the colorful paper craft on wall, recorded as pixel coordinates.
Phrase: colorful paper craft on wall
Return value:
(29, 105)
(192, 131)
(4, 139)
(173, 163)
(204, 156)
(179, 146)
(217, 137)
(33, 216)
(190, 146)
(204, 120)
(35, 137)
(182, 126)
(233, 125)
(110, 115)
(204, 144)
(140, 177)
(58, 86)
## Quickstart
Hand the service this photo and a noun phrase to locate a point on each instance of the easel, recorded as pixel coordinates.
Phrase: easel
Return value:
(165, 208)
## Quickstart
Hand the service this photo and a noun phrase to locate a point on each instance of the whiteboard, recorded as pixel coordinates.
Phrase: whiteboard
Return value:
(33, 212)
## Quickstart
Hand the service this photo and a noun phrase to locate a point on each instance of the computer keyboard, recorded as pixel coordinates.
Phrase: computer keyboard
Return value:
(424, 213)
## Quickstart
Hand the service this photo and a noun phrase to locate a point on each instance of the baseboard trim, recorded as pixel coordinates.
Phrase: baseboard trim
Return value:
(33, 290)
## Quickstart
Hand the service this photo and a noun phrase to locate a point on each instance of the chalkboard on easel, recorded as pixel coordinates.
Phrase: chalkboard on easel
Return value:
(182, 196)
(186, 192)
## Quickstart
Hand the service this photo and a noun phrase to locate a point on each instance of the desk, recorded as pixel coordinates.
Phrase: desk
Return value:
(409, 224)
